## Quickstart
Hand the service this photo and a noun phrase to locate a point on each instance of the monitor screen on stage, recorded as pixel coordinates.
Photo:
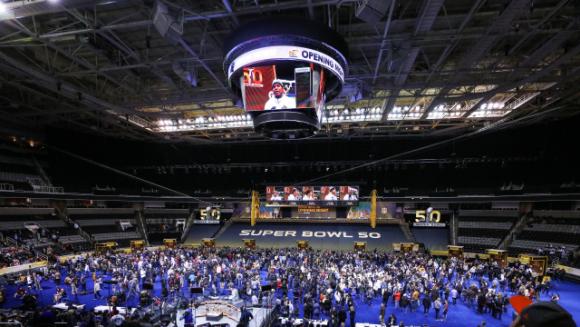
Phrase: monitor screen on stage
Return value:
(282, 86)
(332, 195)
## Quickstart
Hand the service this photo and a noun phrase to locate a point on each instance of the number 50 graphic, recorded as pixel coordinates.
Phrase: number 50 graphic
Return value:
(434, 216)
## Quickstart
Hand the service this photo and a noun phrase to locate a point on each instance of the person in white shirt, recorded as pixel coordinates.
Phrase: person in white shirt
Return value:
(308, 195)
(350, 196)
(331, 196)
(279, 99)
(254, 300)
(295, 195)
(235, 294)
(276, 196)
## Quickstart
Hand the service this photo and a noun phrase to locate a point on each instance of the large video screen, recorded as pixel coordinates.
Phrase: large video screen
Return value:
(283, 86)
(332, 195)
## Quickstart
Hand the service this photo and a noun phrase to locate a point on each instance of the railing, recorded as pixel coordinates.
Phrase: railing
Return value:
(35, 181)
(86, 236)
(10, 241)
(6, 187)
(187, 227)
(222, 229)
(43, 174)
(72, 223)
(47, 189)
(516, 229)
(454, 228)
(15, 177)
(142, 225)
(40, 255)
(407, 232)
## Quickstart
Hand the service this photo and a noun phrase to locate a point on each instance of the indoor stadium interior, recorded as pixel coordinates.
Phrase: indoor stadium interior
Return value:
(289, 163)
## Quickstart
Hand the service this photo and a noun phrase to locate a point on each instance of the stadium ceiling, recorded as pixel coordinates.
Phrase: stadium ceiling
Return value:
(417, 67)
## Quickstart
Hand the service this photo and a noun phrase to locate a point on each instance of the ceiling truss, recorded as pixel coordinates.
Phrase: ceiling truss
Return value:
(426, 67)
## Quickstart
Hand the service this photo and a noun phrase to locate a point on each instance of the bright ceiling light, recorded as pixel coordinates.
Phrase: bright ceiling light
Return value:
(3, 8)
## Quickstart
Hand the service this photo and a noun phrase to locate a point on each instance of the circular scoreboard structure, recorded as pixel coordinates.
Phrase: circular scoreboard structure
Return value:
(285, 70)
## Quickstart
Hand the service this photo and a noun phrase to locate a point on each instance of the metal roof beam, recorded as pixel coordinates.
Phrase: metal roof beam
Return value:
(384, 40)
(529, 79)
(424, 24)
(480, 48)
(231, 12)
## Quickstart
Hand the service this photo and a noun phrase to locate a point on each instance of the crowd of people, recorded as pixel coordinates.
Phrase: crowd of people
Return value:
(326, 284)
(16, 255)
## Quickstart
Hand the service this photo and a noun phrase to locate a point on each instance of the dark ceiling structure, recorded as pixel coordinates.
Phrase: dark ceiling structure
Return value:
(153, 70)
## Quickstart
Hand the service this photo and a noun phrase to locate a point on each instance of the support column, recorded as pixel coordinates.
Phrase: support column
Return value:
(255, 207)
(373, 217)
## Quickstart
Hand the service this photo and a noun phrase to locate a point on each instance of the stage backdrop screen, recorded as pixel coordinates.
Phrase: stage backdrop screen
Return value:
(331, 195)
(283, 86)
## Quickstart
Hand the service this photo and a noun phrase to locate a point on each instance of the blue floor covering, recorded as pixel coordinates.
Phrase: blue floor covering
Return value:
(459, 315)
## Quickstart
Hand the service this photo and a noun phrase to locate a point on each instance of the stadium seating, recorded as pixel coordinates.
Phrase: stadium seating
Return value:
(556, 228)
(18, 223)
(198, 232)
(479, 230)
(19, 168)
(433, 238)
(162, 223)
(104, 224)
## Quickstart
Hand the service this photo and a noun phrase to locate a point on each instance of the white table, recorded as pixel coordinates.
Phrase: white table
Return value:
(64, 306)
(103, 308)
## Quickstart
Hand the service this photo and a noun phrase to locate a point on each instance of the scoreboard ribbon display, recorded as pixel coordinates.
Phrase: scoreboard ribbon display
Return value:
(281, 52)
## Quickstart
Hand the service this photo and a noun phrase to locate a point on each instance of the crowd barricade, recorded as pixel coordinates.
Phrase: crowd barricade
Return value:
(23, 267)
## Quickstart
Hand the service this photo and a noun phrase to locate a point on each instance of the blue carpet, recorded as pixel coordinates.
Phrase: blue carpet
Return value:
(459, 315)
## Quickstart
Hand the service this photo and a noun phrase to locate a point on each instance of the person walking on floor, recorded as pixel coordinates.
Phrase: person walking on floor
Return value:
(97, 289)
(454, 294)
(352, 311)
(426, 304)
(445, 310)
(382, 314)
(437, 305)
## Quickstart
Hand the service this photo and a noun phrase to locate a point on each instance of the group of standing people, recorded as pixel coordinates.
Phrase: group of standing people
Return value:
(327, 284)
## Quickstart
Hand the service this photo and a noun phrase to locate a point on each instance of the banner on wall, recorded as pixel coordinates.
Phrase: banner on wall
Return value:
(319, 235)
(292, 233)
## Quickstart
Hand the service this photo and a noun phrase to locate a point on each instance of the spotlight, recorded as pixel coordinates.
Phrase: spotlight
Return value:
(3, 8)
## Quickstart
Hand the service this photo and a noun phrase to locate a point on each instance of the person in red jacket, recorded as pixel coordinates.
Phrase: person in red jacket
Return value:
(397, 298)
